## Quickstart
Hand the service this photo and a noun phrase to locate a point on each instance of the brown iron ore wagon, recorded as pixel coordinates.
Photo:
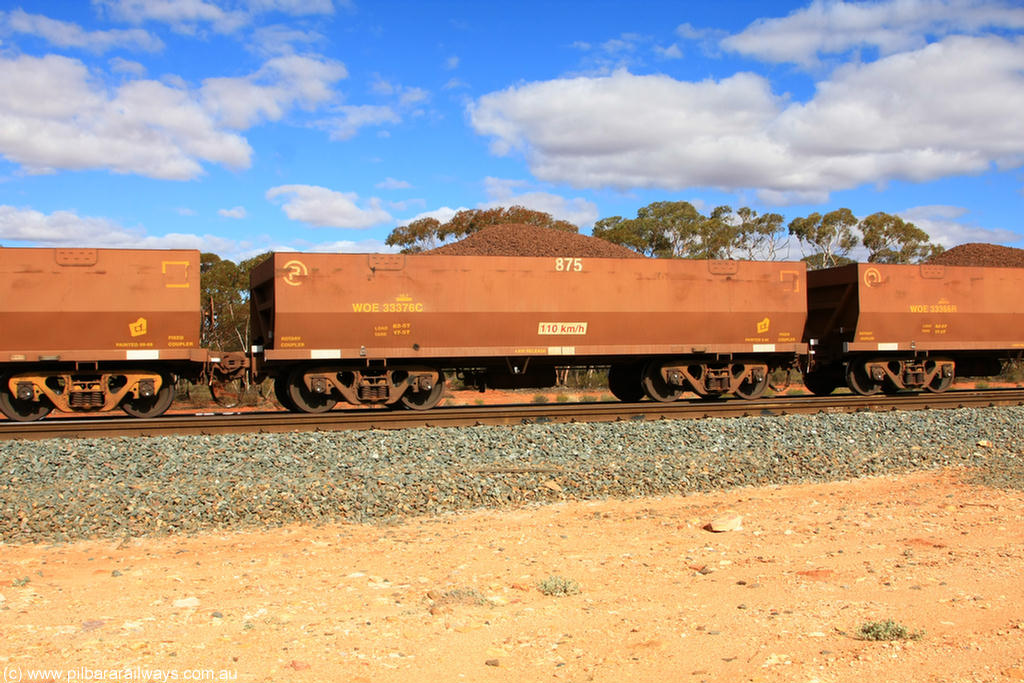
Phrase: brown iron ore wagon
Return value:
(880, 327)
(385, 328)
(85, 330)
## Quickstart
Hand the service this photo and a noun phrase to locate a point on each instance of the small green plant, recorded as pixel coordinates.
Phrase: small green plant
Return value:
(588, 398)
(540, 398)
(18, 583)
(562, 398)
(886, 630)
(982, 385)
(479, 401)
(458, 596)
(558, 586)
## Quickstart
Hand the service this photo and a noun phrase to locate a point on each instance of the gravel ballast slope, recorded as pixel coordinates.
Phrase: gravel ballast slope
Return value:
(70, 489)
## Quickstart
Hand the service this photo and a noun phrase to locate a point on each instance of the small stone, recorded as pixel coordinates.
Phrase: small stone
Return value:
(728, 521)
(92, 624)
(298, 665)
(552, 485)
(985, 443)
(187, 603)
(492, 662)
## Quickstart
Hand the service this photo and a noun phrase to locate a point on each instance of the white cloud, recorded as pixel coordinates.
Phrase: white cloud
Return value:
(413, 96)
(393, 184)
(66, 228)
(369, 246)
(282, 82)
(688, 31)
(943, 227)
(281, 40)
(829, 27)
(504, 192)
(670, 52)
(893, 118)
(454, 84)
(451, 63)
(237, 212)
(67, 34)
(126, 66)
(590, 132)
(55, 115)
(328, 208)
(443, 214)
(294, 7)
(189, 16)
(354, 117)
(182, 15)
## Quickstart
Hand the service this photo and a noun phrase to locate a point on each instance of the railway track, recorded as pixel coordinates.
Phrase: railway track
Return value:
(277, 421)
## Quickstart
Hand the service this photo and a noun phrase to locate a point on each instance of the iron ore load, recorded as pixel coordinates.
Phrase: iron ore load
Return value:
(85, 330)
(385, 328)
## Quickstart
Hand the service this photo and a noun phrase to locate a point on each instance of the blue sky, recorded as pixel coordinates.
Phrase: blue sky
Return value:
(238, 126)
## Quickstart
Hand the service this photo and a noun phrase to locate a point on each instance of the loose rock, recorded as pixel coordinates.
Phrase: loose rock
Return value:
(69, 489)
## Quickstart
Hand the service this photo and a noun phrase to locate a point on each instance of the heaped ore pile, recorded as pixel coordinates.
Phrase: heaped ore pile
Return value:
(520, 239)
(982, 256)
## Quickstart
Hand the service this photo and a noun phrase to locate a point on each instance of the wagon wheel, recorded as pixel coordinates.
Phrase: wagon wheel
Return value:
(151, 406)
(304, 399)
(750, 389)
(229, 393)
(940, 383)
(624, 383)
(424, 400)
(281, 394)
(858, 379)
(657, 388)
(21, 411)
(821, 383)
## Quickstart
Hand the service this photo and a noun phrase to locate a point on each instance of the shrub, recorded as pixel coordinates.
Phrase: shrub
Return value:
(886, 630)
(558, 586)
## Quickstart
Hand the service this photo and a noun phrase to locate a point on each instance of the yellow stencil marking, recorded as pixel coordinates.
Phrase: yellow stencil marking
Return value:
(296, 270)
(175, 265)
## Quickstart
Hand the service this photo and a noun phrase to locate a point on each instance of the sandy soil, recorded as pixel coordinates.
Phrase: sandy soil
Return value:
(456, 598)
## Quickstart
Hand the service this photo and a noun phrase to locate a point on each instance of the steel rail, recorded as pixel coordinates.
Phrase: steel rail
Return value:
(355, 419)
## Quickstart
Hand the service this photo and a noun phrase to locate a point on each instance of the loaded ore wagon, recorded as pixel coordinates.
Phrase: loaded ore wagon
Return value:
(385, 328)
(84, 330)
(879, 327)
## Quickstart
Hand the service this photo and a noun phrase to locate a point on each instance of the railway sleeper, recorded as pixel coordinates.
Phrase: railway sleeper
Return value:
(141, 393)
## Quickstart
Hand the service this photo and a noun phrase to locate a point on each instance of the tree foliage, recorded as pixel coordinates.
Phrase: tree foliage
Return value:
(759, 236)
(829, 237)
(224, 287)
(427, 233)
(890, 239)
(679, 230)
